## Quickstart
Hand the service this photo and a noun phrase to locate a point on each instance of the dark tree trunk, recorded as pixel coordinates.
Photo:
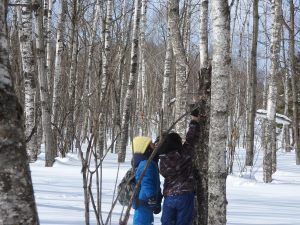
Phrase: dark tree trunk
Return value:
(201, 159)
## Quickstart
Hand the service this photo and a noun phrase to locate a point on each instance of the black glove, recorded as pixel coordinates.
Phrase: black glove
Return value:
(194, 111)
(157, 210)
(152, 202)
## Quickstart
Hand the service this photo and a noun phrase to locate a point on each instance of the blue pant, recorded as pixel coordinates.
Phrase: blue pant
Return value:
(143, 216)
(178, 210)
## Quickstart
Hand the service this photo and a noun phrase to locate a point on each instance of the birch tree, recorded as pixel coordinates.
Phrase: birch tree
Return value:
(89, 71)
(291, 53)
(141, 86)
(29, 75)
(70, 129)
(166, 85)
(43, 84)
(59, 50)
(131, 82)
(17, 204)
(180, 57)
(105, 72)
(218, 117)
(285, 136)
(270, 139)
(251, 109)
(201, 160)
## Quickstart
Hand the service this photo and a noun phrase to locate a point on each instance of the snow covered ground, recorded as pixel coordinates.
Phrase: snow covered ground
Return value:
(59, 193)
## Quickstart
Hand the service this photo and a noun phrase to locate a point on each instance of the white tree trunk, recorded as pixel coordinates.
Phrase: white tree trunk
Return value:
(72, 81)
(131, 82)
(251, 87)
(142, 71)
(29, 78)
(89, 79)
(17, 204)
(204, 34)
(56, 100)
(272, 93)
(180, 57)
(294, 81)
(218, 118)
(47, 27)
(50, 152)
(166, 86)
(285, 134)
(105, 73)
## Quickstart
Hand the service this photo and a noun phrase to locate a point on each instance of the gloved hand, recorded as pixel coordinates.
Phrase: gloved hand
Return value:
(152, 202)
(195, 110)
(157, 210)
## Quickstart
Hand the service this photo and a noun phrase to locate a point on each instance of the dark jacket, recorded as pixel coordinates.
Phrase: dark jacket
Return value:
(177, 167)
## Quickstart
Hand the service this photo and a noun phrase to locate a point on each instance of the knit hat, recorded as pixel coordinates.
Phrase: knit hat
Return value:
(140, 144)
(171, 143)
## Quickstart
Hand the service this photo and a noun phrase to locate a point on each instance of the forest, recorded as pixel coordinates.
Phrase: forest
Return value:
(82, 78)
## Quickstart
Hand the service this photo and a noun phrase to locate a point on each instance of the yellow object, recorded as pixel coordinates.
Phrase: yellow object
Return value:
(140, 144)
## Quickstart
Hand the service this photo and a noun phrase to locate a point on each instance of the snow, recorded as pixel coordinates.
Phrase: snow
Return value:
(59, 192)
(280, 119)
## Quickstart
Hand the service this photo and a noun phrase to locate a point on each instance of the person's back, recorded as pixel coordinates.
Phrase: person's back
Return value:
(149, 196)
(176, 166)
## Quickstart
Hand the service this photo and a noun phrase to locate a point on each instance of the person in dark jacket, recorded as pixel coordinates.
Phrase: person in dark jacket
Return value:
(149, 196)
(176, 166)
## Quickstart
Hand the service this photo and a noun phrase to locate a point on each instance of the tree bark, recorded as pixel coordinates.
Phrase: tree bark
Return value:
(285, 137)
(218, 117)
(29, 75)
(50, 152)
(291, 53)
(131, 82)
(105, 73)
(166, 86)
(141, 100)
(17, 204)
(251, 110)
(70, 129)
(201, 159)
(204, 34)
(59, 50)
(180, 57)
(272, 93)
(202, 149)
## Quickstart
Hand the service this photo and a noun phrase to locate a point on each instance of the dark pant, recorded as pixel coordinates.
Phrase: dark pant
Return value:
(178, 210)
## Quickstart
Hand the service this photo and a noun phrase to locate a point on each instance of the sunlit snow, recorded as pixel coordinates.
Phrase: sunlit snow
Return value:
(59, 192)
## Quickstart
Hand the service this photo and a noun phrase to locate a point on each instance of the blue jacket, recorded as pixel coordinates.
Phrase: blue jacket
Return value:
(150, 187)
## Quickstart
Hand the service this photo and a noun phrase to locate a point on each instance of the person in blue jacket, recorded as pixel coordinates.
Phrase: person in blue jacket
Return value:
(148, 200)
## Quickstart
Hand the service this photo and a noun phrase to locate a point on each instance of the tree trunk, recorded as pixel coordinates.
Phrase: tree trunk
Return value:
(88, 112)
(142, 72)
(218, 117)
(201, 160)
(131, 82)
(272, 93)
(56, 101)
(251, 109)
(180, 57)
(45, 99)
(166, 86)
(204, 34)
(17, 204)
(294, 81)
(285, 137)
(29, 78)
(70, 129)
(47, 27)
(105, 74)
